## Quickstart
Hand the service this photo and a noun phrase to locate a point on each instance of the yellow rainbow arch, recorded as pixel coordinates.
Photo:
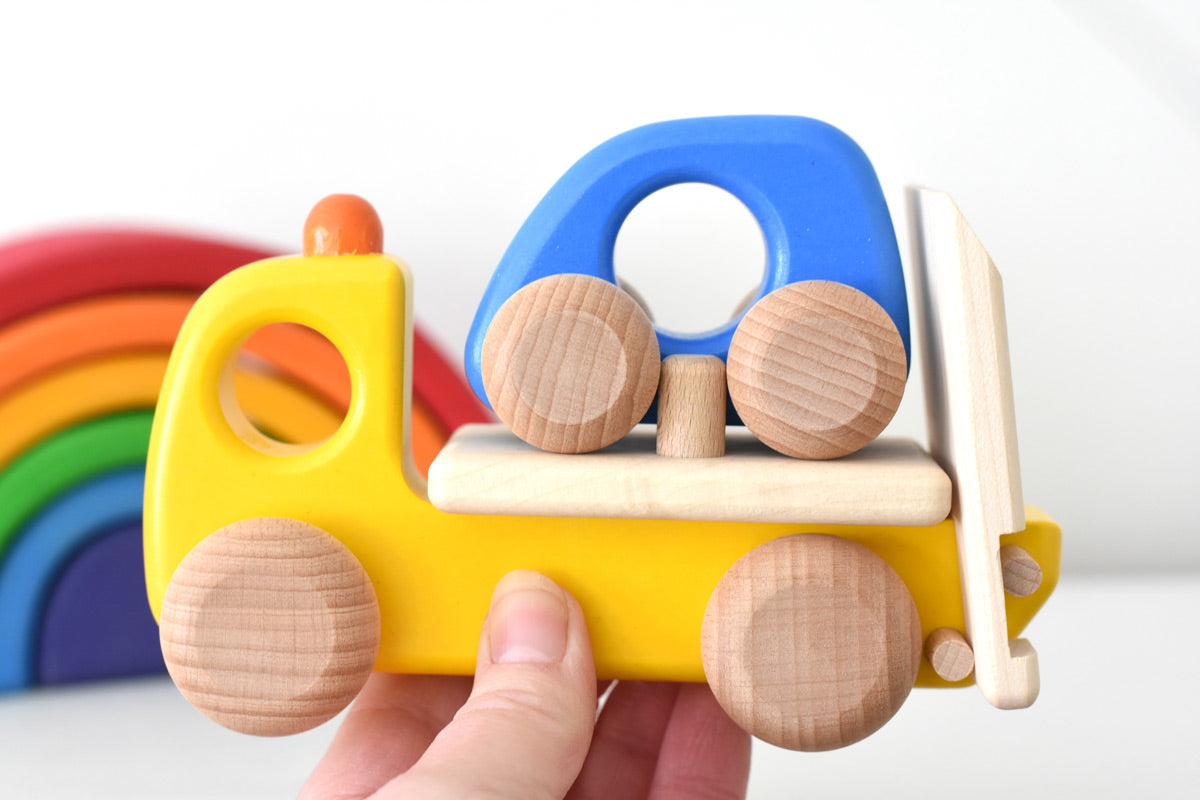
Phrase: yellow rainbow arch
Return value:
(87, 322)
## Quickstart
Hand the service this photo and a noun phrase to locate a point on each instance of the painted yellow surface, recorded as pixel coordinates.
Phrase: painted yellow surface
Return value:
(100, 386)
(643, 584)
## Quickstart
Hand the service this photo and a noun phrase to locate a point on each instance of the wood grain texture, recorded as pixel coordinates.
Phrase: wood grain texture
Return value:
(570, 363)
(1021, 573)
(950, 654)
(485, 469)
(691, 407)
(972, 428)
(270, 626)
(816, 369)
(811, 642)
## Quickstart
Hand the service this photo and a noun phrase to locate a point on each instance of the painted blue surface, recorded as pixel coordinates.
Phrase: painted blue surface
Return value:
(812, 190)
(40, 552)
(97, 622)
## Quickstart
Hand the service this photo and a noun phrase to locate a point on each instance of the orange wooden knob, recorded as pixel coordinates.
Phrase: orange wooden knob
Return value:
(570, 363)
(816, 369)
(342, 225)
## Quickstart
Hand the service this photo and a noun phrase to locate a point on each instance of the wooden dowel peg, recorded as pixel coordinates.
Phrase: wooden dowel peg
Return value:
(691, 407)
(1021, 571)
(950, 654)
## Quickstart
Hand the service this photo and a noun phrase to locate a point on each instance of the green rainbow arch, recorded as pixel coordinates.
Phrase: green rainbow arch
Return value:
(59, 494)
(32, 563)
(56, 464)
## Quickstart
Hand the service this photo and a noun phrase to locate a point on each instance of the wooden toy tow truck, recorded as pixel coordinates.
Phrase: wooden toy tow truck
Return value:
(811, 573)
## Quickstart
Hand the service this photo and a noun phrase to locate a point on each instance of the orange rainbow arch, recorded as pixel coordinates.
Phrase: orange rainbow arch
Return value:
(87, 321)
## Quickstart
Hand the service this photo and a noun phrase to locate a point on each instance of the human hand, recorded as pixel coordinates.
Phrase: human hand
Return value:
(528, 728)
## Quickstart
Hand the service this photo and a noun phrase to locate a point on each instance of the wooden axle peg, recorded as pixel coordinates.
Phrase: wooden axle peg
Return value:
(570, 363)
(691, 407)
(950, 654)
(816, 369)
(1021, 572)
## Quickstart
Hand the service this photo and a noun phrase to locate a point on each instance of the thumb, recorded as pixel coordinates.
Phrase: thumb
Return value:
(525, 730)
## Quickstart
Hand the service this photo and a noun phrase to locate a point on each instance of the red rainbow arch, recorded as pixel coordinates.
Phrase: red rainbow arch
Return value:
(87, 320)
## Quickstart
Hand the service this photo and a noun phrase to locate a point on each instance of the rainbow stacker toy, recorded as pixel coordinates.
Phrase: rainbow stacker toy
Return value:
(87, 323)
(809, 571)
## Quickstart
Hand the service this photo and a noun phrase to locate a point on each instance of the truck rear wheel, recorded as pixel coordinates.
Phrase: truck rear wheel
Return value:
(811, 642)
(270, 626)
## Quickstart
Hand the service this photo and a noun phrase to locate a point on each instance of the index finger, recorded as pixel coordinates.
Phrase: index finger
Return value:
(387, 729)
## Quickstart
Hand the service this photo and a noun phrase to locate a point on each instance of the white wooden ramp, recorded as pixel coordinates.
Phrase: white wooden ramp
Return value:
(972, 428)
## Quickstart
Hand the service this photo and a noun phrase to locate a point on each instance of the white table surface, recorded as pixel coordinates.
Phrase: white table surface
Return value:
(1120, 691)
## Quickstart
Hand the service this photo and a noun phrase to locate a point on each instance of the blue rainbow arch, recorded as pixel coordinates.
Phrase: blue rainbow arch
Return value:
(71, 571)
(35, 559)
(96, 622)
(30, 489)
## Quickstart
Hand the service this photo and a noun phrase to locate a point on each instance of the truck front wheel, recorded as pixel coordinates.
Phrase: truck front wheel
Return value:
(270, 626)
(811, 642)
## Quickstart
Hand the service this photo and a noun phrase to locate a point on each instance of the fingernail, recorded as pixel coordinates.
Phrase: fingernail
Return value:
(527, 623)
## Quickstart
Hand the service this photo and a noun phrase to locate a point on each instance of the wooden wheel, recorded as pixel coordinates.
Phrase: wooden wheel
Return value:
(570, 363)
(270, 626)
(816, 369)
(811, 642)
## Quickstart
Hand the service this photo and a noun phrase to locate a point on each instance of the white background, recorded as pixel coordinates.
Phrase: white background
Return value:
(1068, 132)
(1116, 719)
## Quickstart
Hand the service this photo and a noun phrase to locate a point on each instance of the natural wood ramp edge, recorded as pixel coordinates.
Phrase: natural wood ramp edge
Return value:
(485, 469)
(972, 429)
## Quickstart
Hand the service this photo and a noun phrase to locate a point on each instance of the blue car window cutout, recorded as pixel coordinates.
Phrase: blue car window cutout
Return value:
(811, 188)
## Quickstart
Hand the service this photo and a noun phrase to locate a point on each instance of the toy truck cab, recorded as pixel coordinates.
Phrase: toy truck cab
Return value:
(812, 595)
